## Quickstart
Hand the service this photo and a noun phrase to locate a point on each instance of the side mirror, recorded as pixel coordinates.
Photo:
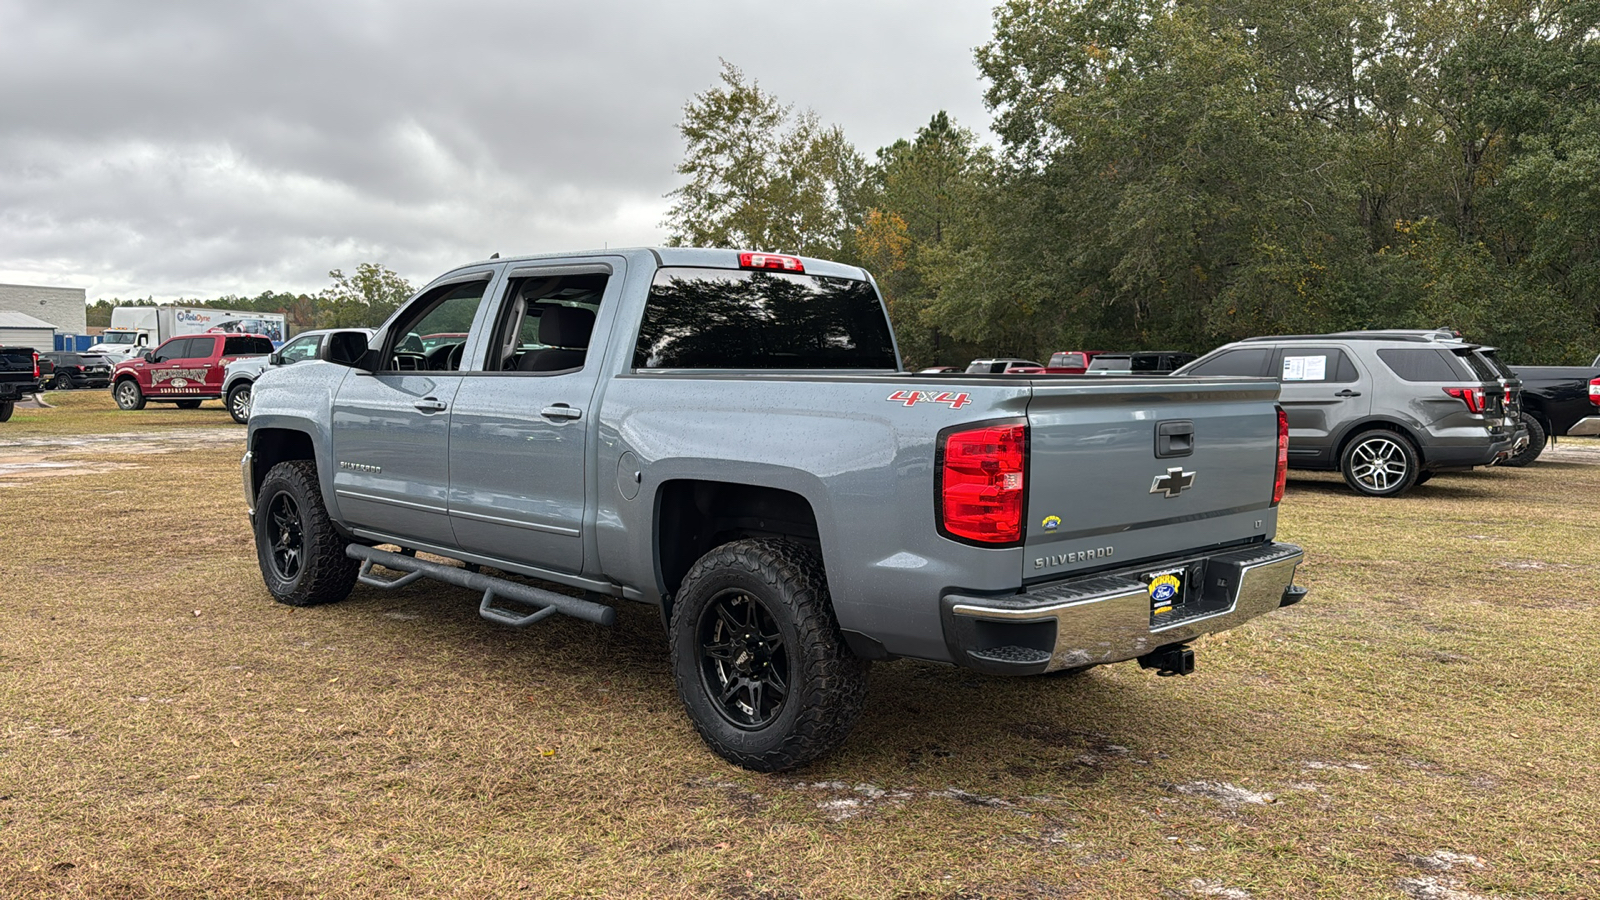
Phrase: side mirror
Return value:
(349, 348)
(148, 356)
(274, 359)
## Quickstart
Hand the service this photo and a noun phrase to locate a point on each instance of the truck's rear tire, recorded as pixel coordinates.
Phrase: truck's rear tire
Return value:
(1380, 463)
(6, 406)
(239, 403)
(301, 556)
(188, 404)
(127, 394)
(758, 658)
(1536, 441)
(61, 383)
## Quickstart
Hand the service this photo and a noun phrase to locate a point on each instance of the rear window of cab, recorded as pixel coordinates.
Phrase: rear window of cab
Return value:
(700, 318)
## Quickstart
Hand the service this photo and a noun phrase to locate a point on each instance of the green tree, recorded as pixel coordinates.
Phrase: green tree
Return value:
(365, 298)
(762, 177)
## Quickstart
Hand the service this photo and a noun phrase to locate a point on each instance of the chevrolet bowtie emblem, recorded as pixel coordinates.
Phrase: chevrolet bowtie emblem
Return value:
(1175, 482)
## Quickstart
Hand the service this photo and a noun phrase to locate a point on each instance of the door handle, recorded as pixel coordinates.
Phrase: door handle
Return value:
(1348, 393)
(561, 411)
(430, 404)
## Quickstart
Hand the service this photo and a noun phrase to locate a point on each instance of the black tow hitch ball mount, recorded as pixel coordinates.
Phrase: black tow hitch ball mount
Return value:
(1173, 659)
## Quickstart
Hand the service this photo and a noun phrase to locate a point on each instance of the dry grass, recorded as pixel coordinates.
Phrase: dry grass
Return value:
(94, 412)
(170, 731)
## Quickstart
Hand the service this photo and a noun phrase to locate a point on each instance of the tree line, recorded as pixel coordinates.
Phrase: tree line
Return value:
(363, 298)
(1179, 175)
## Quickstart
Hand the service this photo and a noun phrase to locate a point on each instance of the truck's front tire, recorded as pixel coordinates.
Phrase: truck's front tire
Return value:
(758, 658)
(128, 395)
(301, 556)
(6, 406)
(239, 403)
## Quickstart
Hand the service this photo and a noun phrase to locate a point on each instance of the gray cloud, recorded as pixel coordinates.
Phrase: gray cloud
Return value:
(200, 148)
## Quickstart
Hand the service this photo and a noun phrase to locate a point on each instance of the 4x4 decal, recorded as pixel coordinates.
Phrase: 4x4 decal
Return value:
(912, 398)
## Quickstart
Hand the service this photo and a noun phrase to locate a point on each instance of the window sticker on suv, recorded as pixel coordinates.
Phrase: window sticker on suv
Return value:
(1305, 368)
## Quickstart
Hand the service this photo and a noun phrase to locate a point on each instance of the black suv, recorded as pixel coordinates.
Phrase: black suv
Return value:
(77, 370)
(1386, 409)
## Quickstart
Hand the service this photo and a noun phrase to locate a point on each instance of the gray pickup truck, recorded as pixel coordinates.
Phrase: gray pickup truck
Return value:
(731, 437)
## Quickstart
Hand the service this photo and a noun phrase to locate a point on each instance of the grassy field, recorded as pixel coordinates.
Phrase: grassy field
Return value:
(94, 412)
(1423, 726)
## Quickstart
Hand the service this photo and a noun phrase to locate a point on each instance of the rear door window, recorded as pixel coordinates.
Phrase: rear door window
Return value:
(1243, 361)
(1320, 365)
(1422, 364)
(200, 348)
(735, 319)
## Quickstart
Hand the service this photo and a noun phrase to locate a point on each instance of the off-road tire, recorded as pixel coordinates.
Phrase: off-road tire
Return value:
(188, 404)
(127, 394)
(238, 403)
(825, 683)
(289, 510)
(1380, 463)
(1536, 441)
(5, 409)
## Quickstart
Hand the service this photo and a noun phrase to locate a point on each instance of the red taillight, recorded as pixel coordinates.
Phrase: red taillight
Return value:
(981, 483)
(1472, 397)
(1594, 391)
(36, 364)
(770, 261)
(1281, 480)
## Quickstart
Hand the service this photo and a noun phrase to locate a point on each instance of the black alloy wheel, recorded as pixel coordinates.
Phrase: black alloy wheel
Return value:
(286, 538)
(760, 663)
(300, 552)
(62, 383)
(744, 665)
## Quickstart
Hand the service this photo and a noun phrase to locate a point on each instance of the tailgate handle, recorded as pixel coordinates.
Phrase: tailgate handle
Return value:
(1174, 439)
(1348, 393)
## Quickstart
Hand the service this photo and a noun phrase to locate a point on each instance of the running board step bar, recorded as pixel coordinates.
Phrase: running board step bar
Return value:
(545, 603)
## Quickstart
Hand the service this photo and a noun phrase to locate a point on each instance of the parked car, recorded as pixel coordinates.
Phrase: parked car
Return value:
(19, 377)
(940, 370)
(238, 380)
(70, 370)
(1070, 362)
(1563, 401)
(1386, 410)
(1139, 362)
(996, 366)
(731, 437)
(184, 370)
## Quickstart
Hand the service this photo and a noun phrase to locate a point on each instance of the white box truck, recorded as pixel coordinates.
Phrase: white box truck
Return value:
(135, 329)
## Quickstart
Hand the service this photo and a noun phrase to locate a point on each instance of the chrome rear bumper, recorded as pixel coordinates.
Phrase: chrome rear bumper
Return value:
(1108, 618)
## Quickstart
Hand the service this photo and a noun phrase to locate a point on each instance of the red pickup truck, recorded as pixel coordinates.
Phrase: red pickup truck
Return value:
(184, 370)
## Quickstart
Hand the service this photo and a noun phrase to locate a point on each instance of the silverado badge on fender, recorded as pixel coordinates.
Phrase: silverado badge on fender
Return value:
(1175, 482)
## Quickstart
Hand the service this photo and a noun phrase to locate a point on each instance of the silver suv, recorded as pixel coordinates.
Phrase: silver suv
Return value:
(1386, 409)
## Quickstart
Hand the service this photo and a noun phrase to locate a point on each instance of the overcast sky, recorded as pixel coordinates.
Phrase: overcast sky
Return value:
(194, 148)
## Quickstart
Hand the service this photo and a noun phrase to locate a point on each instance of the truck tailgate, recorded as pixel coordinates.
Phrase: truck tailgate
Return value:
(1126, 470)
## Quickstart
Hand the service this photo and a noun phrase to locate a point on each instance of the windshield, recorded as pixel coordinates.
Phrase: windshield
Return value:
(118, 337)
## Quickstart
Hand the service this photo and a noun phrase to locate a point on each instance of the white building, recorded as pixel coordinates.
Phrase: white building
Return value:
(22, 330)
(62, 307)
